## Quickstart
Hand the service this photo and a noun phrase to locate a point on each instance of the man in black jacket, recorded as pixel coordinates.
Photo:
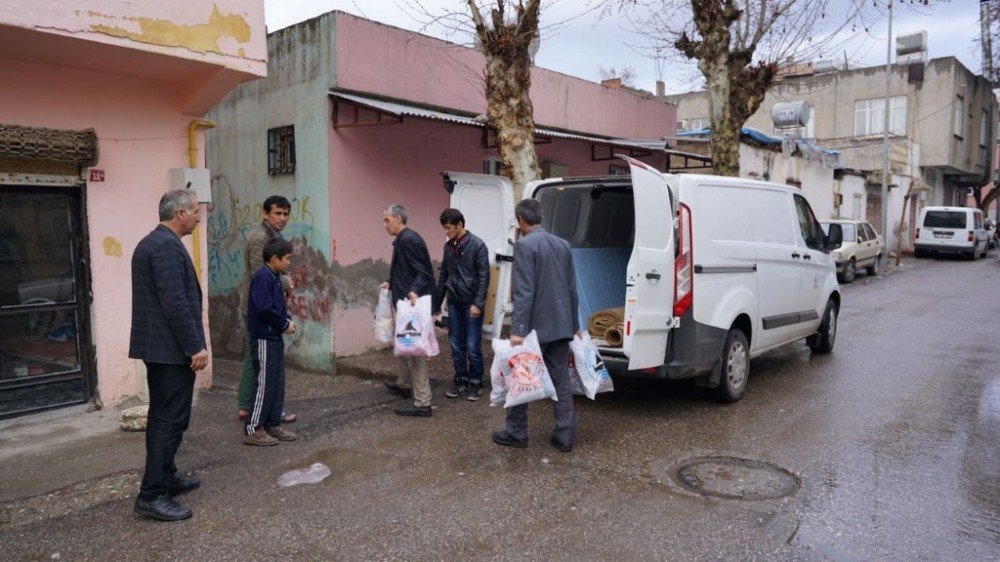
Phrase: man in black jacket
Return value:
(169, 336)
(411, 276)
(464, 279)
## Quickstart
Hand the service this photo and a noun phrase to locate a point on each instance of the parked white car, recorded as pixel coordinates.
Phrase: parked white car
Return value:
(861, 248)
(711, 271)
(955, 230)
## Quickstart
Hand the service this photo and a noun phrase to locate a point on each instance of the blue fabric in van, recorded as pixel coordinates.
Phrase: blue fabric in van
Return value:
(600, 279)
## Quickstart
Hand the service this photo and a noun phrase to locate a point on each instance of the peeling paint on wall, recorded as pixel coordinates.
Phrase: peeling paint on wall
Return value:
(112, 247)
(201, 38)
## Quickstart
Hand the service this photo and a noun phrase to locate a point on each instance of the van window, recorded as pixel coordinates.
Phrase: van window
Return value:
(944, 219)
(812, 234)
(977, 220)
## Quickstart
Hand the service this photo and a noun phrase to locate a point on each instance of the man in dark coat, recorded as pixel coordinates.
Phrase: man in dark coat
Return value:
(545, 300)
(465, 280)
(168, 335)
(411, 276)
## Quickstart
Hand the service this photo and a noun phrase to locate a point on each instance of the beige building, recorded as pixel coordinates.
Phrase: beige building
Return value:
(941, 117)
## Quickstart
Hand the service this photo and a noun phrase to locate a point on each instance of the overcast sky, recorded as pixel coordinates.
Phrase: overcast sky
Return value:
(581, 45)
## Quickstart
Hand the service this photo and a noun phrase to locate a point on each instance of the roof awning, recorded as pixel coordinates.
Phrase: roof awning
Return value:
(384, 112)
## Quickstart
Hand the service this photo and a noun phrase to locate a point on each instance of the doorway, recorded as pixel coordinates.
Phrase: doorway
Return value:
(44, 314)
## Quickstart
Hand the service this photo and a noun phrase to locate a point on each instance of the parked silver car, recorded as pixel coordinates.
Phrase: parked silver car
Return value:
(862, 247)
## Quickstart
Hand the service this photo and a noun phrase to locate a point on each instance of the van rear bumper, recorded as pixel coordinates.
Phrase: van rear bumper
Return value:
(956, 247)
(694, 349)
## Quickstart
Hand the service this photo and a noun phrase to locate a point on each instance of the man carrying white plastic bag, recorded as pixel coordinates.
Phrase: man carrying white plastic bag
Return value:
(414, 334)
(588, 375)
(518, 373)
(545, 302)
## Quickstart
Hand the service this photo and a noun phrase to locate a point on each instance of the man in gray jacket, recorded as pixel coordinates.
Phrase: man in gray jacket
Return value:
(545, 300)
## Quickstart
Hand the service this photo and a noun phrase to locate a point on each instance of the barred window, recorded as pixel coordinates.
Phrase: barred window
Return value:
(281, 150)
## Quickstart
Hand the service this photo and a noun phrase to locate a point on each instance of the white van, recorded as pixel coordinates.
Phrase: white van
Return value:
(955, 230)
(711, 271)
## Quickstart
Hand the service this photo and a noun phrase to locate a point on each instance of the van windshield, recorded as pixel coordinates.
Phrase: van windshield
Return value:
(944, 219)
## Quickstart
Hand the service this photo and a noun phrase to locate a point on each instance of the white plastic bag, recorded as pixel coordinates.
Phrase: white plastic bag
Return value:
(522, 373)
(414, 334)
(312, 475)
(384, 326)
(498, 382)
(589, 368)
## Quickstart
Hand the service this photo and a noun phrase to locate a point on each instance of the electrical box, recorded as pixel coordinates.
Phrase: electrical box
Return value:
(192, 178)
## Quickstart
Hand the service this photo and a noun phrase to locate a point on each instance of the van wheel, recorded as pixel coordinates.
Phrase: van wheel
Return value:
(735, 367)
(824, 338)
(874, 267)
(850, 270)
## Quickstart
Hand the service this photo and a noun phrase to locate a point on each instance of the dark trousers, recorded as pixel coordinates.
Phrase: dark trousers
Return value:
(269, 387)
(171, 388)
(465, 334)
(556, 356)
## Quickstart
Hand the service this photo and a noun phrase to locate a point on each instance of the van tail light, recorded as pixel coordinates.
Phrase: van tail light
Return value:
(971, 237)
(916, 234)
(684, 264)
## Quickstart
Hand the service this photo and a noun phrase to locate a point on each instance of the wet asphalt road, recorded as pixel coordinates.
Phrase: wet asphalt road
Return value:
(893, 441)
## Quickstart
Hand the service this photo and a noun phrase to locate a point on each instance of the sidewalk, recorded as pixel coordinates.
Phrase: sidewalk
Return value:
(64, 461)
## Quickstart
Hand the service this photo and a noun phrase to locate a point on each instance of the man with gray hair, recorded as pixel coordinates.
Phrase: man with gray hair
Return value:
(411, 276)
(545, 300)
(169, 336)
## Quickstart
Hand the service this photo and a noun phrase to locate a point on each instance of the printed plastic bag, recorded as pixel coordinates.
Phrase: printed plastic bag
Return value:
(524, 374)
(384, 326)
(590, 371)
(415, 329)
(312, 475)
(575, 383)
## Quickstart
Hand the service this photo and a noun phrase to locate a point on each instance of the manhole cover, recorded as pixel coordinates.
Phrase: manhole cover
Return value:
(734, 478)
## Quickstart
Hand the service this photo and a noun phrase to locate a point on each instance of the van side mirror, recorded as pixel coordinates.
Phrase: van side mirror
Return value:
(836, 236)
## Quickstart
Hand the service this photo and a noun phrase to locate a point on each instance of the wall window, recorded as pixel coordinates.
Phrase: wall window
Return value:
(281, 150)
(492, 166)
(618, 170)
(694, 124)
(869, 116)
(958, 114)
(984, 129)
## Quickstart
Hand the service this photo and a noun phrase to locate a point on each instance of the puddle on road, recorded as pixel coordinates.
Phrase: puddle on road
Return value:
(734, 478)
(344, 463)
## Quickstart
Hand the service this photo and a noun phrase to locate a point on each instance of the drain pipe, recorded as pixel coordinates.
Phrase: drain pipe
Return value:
(193, 163)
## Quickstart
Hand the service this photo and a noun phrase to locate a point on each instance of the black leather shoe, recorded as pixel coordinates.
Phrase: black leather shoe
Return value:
(505, 439)
(161, 508)
(180, 485)
(563, 448)
(398, 390)
(418, 411)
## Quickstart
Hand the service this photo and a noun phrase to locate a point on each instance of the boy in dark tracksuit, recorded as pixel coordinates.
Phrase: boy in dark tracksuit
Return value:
(267, 320)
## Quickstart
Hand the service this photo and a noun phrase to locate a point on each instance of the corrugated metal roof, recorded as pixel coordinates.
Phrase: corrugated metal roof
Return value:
(406, 110)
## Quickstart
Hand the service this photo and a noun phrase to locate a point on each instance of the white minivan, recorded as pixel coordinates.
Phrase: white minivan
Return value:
(956, 230)
(711, 271)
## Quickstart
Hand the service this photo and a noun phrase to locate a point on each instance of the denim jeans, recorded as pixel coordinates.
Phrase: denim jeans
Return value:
(465, 334)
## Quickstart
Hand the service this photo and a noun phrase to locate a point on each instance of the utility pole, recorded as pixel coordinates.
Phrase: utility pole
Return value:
(885, 132)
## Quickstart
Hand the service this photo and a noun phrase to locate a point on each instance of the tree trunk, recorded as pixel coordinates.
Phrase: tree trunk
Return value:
(509, 111)
(993, 195)
(725, 137)
(510, 114)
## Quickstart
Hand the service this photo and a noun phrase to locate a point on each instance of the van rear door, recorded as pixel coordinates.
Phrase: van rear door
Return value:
(649, 288)
(488, 205)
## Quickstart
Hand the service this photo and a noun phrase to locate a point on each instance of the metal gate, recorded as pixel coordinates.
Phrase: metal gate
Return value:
(44, 318)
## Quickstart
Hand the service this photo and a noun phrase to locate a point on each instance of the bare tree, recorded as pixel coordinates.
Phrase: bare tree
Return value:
(741, 45)
(505, 39)
(626, 74)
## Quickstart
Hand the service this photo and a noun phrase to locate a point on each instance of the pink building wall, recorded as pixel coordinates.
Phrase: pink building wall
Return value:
(137, 72)
(376, 58)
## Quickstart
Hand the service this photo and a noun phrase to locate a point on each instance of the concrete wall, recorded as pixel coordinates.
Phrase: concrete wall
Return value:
(302, 62)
